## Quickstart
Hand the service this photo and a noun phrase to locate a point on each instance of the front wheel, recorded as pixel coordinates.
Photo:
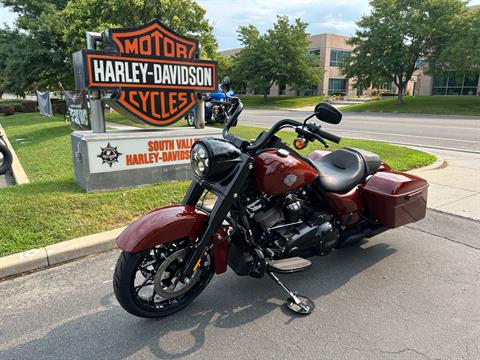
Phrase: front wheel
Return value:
(191, 118)
(5, 158)
(146, 285)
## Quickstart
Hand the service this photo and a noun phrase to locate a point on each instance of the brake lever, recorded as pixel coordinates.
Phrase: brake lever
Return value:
(312, 132)
(319, 138)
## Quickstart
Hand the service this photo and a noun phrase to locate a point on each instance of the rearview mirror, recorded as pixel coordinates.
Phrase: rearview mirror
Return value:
(328, 113)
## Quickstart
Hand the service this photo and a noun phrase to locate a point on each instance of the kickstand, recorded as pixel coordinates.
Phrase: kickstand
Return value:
(297, 303)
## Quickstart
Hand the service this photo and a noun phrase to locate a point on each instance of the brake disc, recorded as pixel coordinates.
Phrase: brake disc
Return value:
(166, 281)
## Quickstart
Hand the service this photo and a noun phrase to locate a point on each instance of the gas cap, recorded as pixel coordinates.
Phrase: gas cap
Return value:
(282, 152)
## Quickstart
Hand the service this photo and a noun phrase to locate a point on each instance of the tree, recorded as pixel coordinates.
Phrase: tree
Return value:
(3, 57)
(183, 16)
(43, 61)
(19, 62)
(396, 35)
(279, 55)
(55, 29)
(462, 51)
(227, 67)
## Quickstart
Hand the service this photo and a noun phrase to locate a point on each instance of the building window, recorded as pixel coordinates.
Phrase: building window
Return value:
(315, 52)
(337, 57)
(383, 86)
(311, 90)
(455, 84)
(337, 86)
(282, 87)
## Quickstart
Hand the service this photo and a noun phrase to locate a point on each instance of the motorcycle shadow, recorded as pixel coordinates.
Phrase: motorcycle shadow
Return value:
(229, 302)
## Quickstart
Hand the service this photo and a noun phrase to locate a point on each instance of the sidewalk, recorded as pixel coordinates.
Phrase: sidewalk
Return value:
(455, 187)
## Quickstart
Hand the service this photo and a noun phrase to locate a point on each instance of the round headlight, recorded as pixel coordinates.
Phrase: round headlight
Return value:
(199, 160)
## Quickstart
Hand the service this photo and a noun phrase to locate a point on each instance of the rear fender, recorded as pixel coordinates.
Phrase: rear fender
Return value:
(385, 167)
(168, 224)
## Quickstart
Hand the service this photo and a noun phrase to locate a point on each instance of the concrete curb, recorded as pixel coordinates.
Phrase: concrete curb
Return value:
(61, 252)
(436, 165)
(19, 174)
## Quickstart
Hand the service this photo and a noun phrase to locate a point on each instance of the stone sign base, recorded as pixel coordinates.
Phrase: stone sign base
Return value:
(116, 159)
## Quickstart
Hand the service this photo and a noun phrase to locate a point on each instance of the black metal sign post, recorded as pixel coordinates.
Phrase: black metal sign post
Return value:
(96, 106)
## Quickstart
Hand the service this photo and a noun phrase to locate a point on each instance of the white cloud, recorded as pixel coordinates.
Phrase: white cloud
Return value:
(322, 15)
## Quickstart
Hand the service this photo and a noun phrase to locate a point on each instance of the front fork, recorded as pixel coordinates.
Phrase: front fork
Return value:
(227, 192)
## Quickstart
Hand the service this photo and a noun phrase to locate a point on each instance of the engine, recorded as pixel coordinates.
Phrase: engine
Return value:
(291, 226)
(282, 227)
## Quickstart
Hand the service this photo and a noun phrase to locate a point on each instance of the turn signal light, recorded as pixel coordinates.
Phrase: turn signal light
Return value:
(300, 143)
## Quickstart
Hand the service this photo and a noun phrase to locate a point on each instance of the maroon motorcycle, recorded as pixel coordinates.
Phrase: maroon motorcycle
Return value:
(273, 209)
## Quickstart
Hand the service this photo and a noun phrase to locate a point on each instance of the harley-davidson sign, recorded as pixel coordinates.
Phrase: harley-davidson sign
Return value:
(150, 72)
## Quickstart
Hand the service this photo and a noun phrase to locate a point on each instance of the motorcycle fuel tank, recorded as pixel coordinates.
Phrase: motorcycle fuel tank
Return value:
(279, 172)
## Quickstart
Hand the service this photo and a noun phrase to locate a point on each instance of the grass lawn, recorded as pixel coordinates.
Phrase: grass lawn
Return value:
(10, 101)
(53, 208)
(279, 102)
(117, 118)
(445, 105)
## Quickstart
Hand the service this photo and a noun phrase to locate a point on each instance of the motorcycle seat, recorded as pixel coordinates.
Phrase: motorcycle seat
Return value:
(342, 169)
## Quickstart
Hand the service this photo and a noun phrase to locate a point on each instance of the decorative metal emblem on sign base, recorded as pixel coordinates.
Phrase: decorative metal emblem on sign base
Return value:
(151, 74)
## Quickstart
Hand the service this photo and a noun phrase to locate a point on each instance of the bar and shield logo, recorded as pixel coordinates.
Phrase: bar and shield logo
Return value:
(150, 73)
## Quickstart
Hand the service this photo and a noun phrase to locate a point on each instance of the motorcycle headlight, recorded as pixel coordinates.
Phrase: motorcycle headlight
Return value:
(213, 158)
(199, 160)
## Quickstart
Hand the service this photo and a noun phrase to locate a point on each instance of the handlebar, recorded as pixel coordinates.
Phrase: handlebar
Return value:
(232, 117)
(326, 135)
(310, 130)
(267, 135)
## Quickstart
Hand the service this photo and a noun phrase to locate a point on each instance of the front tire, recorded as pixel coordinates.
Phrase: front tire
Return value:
(152, 305)
(191, 118)
(5, 158)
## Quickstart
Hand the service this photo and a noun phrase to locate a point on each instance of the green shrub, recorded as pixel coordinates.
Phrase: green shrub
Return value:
(29, 106)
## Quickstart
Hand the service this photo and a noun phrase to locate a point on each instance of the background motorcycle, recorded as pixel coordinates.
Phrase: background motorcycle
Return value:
(273, 209)
(215, 111)
(5, 156)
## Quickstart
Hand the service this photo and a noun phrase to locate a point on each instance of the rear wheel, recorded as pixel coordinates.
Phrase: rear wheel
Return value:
(5, 158)
(146, 283)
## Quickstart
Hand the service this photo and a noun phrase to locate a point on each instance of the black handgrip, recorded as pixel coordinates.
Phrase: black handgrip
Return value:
(326, 135)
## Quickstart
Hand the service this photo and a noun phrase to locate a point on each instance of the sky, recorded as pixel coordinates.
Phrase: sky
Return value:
(227, 15)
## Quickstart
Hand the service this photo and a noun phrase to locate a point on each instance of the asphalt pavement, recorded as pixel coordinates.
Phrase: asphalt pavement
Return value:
(410, 293)
(452, 132)
(6, 179)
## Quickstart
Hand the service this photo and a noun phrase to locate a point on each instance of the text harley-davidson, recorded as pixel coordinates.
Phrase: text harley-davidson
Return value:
(273, 209)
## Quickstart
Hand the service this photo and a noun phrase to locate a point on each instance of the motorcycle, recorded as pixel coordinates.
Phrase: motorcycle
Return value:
(215, 111)
(274, 209)
(5, 156)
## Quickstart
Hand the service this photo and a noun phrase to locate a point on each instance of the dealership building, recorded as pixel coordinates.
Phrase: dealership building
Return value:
(332, 49)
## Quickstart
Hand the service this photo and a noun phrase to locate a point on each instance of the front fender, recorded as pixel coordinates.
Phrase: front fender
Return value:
(168, 224)
(162, 226)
